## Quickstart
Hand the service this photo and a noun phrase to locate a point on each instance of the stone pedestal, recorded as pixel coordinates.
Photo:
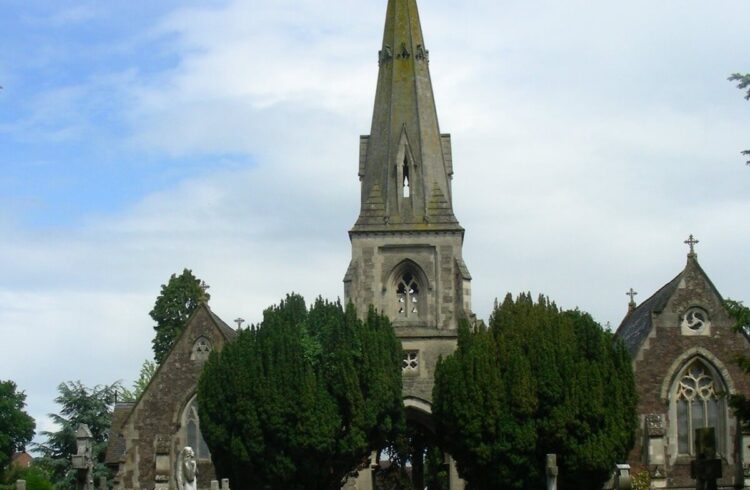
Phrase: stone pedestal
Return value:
(655, 430)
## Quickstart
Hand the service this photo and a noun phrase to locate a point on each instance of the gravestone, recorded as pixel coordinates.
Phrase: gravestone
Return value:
(20, 484)
(552, 472)
(706, 468)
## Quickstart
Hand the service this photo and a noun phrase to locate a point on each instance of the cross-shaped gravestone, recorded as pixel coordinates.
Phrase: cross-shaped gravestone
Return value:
(239, 321)
(706, 468)
(692, 242)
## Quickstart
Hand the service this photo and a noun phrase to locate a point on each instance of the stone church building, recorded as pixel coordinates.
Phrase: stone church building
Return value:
(407, 261)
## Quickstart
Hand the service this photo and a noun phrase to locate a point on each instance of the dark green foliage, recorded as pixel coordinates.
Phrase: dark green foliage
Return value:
(35, 477)
(741, 314)
(176, 302)
(79, 405)
(743, 83)
(300, 401)
(16, 426)
(536, 381)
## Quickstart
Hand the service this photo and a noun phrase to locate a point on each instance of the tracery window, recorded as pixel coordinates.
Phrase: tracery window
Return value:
(410, 362)
(695, 321)
(201, 349)
(192, 427)
(699, 404)
(407, 295)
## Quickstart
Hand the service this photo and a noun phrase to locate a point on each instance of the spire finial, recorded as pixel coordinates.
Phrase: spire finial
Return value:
(632, 293)
(692, 242)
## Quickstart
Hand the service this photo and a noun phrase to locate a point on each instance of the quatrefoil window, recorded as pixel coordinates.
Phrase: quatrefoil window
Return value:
(410, 363)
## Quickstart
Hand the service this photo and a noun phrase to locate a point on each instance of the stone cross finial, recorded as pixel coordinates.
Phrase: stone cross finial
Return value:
(204, 288)
(632, 293)
(692, 242)
(239, 321)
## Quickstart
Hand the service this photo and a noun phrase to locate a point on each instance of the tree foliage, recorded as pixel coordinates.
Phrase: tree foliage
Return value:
(148, 368)
(741, 315)
(300, 400)
(35, 478)
(536, 381)
(78, 405)
(743, 83)
(16, 426)
(174, 305)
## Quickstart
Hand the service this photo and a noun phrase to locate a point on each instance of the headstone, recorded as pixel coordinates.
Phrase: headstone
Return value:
(552, 472)
(622, 477)
(20, 484)
(706, 468)
(103, 483)
(214, 485)
(225, 484)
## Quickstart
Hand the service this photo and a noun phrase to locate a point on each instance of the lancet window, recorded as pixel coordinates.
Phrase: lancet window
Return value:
(192, 427)
(700, 404)
(407, 296)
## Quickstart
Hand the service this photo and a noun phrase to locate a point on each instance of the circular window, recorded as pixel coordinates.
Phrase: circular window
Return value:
(695, 319)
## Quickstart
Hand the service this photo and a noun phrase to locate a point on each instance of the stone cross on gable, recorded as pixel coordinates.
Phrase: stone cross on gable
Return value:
(204, 295)
(239, 321)
(692, 242)
(632, 293)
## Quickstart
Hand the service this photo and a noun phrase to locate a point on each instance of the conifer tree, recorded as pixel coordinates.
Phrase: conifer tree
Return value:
(536, 381)
(302, 399)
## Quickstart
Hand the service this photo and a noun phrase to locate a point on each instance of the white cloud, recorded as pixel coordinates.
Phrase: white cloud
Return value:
(581, 165)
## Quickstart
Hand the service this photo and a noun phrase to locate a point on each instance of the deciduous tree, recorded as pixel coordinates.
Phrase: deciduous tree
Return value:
(743, 83)
(536, 381)
(741, 315)
(174, 305)
(300, 400)
(16, 426)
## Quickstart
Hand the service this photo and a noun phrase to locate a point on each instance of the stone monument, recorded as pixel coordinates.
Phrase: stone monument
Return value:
(187, 470)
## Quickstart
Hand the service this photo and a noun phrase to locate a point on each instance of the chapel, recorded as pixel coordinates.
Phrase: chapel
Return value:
(406, 260)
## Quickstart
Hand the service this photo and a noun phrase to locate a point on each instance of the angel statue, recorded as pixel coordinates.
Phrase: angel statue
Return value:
(187, 470)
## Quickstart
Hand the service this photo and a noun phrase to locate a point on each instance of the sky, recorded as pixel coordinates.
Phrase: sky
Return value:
(590, 139)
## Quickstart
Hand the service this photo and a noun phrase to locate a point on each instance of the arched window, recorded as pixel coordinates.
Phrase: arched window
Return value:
(407, 296)
(192, 431)
(699, 403)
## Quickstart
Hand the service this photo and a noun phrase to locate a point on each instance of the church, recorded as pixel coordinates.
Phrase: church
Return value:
(407, 261)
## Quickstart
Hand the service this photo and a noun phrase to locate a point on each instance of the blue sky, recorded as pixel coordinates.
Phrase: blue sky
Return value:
(139, 138)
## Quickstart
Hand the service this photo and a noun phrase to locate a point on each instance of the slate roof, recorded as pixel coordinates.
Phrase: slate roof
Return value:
(116, 443)
(228, 332)
(636, 326)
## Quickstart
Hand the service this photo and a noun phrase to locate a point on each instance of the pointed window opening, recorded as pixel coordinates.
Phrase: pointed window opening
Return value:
(192, 428)
(405, 172)
(699, 404)
(407, 293)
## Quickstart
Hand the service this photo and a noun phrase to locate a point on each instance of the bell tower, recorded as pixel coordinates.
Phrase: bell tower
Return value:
(406, 242)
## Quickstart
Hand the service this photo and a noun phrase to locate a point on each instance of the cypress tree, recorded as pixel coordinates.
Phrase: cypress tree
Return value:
(299, 401)
(537, 380)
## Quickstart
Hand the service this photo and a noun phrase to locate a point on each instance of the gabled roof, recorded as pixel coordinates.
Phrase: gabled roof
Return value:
(116, 443)
(226, 331)
(636, 326)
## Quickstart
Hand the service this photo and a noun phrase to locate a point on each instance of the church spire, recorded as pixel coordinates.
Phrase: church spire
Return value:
(405, 162)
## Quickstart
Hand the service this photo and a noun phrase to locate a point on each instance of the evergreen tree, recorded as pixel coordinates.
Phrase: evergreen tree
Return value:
(741, 315)
(176, 302)
(536, 381)
(301, 400)
(79, 404)
(16, 426)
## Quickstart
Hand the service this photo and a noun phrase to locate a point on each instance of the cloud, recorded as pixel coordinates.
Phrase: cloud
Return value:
(587, 145)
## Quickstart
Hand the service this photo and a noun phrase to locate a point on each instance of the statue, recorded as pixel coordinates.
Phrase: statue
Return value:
(187, 470)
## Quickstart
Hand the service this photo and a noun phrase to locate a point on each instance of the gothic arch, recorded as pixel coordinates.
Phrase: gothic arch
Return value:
(693, 390)
(407, 293)
(189, 432)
